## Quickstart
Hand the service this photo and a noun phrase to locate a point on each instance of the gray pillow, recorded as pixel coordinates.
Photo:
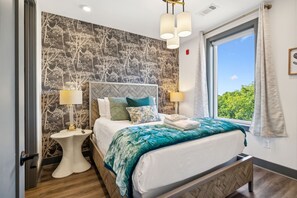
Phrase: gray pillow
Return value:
(118, 108)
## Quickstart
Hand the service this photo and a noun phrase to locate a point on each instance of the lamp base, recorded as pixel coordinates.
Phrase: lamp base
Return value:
(176, 108)
(71, 123)
(71, 127)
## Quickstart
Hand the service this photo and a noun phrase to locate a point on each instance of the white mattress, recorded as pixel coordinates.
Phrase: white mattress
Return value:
(173, 164)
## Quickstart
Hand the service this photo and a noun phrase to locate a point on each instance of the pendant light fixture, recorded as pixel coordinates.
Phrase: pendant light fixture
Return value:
(169, 31)
(184, 24)
(167, 23)
(174, 42)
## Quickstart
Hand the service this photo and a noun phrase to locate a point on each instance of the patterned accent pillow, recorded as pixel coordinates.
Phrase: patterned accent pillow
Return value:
(118, 108)
(143, 114)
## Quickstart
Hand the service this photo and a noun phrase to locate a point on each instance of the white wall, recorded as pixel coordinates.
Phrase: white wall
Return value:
(187, 69)
(282, 151)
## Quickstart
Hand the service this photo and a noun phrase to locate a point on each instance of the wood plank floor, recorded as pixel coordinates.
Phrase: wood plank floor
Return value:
(268, 185)
(83, 185)
(89, 185)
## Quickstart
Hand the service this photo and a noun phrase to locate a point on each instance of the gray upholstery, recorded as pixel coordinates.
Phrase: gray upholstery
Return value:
(103, 89)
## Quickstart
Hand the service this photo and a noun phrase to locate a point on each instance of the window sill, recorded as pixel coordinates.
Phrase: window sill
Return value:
(244, 124)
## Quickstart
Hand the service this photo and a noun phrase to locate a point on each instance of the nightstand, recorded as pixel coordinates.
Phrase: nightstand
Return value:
(72, 161)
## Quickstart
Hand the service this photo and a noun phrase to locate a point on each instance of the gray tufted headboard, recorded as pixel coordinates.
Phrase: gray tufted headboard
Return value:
(104, 89)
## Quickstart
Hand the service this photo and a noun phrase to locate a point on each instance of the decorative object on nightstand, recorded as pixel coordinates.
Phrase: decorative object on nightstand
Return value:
(70, 97)
(72, 161)
(176, 97)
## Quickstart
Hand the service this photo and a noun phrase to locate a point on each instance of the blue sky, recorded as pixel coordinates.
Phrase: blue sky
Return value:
(236, 60)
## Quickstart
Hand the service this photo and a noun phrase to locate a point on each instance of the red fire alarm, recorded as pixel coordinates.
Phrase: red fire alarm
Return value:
(187, 51)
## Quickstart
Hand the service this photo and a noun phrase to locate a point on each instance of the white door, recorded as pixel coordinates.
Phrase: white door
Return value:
(11, 98)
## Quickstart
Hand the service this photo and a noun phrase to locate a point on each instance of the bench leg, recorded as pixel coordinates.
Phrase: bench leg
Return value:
(251, 186)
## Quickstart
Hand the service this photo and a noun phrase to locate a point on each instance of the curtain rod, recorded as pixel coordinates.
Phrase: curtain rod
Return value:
(268, 6)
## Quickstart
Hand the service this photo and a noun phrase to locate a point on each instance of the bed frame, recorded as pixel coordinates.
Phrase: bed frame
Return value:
(220, 182)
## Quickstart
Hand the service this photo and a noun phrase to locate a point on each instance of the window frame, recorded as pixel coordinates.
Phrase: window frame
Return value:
(211, 70)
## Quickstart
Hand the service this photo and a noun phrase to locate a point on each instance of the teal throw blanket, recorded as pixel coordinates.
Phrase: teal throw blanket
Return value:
(129, 144)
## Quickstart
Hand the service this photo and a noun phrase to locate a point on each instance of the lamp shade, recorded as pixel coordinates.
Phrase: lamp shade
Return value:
(176, 97)
(184, 24)
(174, 42)
(68, 97)
(167, 22)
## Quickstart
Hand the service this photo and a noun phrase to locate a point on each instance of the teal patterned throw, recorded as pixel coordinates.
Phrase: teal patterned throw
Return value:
(129, 144)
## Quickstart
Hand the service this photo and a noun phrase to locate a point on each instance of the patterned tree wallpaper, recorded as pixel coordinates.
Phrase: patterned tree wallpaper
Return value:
(76, 51)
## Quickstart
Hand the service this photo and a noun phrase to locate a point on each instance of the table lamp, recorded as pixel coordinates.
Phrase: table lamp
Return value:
(176, 97)
(70, 97)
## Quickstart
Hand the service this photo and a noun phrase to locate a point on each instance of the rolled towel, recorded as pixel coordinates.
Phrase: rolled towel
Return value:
(183, 124)
(175, 117)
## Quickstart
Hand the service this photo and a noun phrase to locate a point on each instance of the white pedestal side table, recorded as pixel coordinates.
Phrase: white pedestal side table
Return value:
(72, 161)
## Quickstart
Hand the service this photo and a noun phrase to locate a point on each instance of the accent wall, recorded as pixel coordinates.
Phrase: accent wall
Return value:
(76, 51)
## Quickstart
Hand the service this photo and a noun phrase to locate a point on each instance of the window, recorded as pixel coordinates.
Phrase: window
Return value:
(231, 63)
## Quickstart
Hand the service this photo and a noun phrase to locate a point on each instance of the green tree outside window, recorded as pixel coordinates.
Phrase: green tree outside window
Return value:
(238, 104)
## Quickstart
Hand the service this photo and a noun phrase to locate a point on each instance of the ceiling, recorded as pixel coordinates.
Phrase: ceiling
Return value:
(142, 16)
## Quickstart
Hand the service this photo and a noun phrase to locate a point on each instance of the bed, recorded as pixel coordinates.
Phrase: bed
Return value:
(162, 172)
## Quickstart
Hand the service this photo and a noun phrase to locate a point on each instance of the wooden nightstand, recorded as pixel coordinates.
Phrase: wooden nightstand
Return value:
(72, 161)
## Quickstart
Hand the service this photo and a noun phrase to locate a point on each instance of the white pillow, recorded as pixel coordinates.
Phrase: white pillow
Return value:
(102, 107)
(107, 108)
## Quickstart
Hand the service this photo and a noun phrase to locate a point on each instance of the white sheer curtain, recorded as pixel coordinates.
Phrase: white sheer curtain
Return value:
(201, 93)
(268, 119)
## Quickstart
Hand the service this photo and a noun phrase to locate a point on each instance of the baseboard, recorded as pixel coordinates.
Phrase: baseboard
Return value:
(54, 160)
(289, 172)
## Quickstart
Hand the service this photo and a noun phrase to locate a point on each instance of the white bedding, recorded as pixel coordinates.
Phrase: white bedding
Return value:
(172, 164)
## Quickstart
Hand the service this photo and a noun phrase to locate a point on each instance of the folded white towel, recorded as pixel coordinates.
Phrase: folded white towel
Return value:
(175, 117)
(175, 127)
(183, 124)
